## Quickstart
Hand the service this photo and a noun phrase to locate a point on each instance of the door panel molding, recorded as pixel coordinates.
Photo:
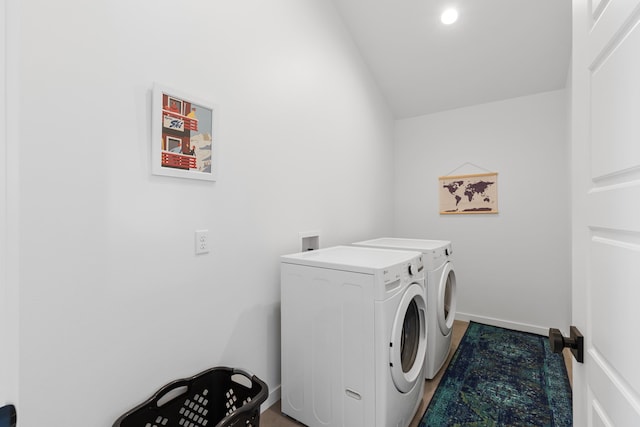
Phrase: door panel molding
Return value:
(598, 417)
(608, 207)
(609, 26)
(616, 398)
(614, 131)
(613, 296)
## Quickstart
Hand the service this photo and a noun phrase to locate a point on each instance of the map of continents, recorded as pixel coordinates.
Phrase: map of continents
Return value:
(469, 194)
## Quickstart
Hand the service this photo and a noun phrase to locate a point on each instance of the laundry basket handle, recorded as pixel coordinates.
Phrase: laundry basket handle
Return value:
(245, 410)
(170, 391)
(243, 372)
(252, 380)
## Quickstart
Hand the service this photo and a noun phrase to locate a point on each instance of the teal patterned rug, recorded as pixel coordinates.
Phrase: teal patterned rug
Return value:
(500, 377)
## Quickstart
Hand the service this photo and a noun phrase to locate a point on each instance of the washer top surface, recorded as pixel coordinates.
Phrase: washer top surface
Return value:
(408, 244)
(358, 259)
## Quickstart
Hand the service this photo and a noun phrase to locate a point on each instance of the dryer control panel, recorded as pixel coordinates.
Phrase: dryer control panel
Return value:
(405, 270)
(397, 276)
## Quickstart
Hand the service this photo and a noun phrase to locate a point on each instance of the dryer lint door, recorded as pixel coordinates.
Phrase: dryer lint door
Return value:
(408, 339)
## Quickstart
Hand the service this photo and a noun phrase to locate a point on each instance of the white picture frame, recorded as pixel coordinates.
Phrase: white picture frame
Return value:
(184, 142)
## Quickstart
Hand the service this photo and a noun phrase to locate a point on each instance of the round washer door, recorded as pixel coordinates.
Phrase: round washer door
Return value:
(408, 339)
(447, 299)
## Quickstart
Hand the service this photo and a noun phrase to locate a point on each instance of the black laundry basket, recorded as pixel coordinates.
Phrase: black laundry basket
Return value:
(217, 397)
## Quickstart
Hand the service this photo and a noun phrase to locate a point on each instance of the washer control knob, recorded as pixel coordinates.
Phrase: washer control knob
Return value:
(412, 269)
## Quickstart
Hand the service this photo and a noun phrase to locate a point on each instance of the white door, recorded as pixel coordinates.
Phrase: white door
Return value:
(606, 210)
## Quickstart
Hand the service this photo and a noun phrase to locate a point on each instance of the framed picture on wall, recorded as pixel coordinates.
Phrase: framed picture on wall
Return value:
(184, 141)
(469, 194)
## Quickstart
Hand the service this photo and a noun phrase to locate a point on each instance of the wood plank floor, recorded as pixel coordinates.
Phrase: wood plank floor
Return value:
(272, 417)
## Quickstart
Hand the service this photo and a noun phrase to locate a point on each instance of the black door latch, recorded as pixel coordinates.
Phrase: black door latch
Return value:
(575, 342)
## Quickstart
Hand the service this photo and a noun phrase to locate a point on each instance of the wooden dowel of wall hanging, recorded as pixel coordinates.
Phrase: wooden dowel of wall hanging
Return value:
(468, 175)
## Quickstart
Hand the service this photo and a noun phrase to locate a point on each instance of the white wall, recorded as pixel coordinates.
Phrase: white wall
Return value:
(513, 268)
(4, 324)
(113, 302)
(9, 289)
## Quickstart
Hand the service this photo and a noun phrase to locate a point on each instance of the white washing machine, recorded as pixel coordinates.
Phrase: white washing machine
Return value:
(441, 293)
(353, 336)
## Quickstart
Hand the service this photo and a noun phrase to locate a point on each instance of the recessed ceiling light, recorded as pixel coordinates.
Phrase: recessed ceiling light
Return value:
(449, 16)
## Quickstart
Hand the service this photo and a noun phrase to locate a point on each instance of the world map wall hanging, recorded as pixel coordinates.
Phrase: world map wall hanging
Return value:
(469, 194)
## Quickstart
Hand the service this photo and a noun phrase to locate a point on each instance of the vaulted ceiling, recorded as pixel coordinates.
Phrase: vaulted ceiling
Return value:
(497, 49)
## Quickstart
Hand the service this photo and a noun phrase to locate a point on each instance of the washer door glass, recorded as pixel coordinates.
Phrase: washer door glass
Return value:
(447, 299)
(408, 339)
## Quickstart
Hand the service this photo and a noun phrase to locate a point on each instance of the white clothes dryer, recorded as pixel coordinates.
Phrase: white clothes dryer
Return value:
(353, 323)
(440, 295)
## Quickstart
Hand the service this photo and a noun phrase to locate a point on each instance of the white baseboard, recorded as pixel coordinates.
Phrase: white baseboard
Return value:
(274, 396)
(516, 326)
